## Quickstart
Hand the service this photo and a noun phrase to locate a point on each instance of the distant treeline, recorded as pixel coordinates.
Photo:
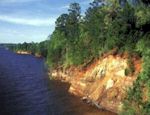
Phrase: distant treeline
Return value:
(34, 48)
(107, 24)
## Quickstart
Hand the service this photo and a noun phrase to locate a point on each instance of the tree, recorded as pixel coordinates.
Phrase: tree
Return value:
(75, 11)
(61, 23)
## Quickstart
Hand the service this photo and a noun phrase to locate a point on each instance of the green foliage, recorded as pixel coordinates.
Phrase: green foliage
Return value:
(143, 45)
(42, 48)
(33, 48)
(142, 14)
(135, 93)
(106, 25)
(128, 110)
(127, 72)
(130, 70)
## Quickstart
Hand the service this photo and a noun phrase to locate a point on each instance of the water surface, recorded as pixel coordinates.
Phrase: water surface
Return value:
(26, 90)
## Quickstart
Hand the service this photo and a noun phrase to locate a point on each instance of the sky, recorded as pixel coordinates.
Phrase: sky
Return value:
(31, 20)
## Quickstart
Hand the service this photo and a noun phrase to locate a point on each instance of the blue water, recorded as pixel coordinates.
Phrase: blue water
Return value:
(25, 89)
(23, 85)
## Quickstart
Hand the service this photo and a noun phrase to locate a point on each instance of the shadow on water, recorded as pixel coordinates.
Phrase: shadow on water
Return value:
(64, 103)
(26, 90)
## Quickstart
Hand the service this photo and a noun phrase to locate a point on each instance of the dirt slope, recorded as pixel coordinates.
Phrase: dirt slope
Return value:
(104, 82)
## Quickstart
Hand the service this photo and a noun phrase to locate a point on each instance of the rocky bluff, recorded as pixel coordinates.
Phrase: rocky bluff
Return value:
(104, 82)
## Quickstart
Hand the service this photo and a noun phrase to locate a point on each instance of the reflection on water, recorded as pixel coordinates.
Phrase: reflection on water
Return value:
(26, 90)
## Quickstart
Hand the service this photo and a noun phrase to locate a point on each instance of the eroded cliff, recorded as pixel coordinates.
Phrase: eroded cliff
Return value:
(104, 82)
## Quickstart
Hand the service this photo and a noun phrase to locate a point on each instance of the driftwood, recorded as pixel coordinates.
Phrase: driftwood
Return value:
(91, 102)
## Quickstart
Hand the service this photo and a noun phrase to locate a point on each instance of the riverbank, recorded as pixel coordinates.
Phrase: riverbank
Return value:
(23, 52)
(28, 53)
(104, 82)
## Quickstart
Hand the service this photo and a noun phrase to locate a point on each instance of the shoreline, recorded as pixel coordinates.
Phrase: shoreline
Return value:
(107, 96)
(104, 90)
(90, 105)
(28, 53)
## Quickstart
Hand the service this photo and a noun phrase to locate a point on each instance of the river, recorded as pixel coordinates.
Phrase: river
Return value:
(25, 89)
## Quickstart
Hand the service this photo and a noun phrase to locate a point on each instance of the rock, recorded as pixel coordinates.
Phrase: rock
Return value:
(86, 100)
(54, 74)
(110, 84)
(112, 94)
(120, 73)
(101, 73)
(96, 104)
(23, 52)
